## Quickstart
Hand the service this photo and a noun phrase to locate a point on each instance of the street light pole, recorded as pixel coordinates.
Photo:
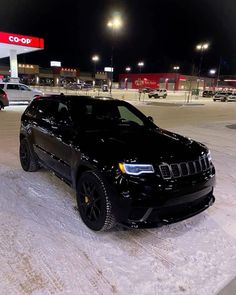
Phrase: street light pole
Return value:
(95, 59)
(218, 74)
(127, 69)
(114, 24)
(202, 48)
(140, 65)
(176, 69)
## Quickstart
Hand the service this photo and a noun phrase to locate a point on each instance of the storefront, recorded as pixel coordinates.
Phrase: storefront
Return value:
(169, 81)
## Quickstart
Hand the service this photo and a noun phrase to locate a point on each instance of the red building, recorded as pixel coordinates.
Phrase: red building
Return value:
(169, 81)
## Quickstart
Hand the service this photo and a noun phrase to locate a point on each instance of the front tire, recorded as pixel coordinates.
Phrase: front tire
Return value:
(28, 159)
(94, 201)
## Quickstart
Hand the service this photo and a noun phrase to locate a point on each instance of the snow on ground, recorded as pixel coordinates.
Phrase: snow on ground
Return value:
(46, 249)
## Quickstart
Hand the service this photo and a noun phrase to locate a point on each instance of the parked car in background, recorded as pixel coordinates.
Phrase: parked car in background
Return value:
(19, 92)
(4, 102)
(158, 93)
(73, 86)
(208, 93)
(145, 90)
(221, 96)
(231, 97)
(96, 146)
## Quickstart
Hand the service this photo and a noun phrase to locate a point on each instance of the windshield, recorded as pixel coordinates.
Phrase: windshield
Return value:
(100, 114)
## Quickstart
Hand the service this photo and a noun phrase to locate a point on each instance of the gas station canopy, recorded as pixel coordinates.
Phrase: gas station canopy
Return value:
(20, 43)
(12, 45)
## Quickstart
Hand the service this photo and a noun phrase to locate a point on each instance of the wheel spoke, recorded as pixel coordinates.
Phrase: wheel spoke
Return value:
(97, 211)
(94, 213)
(85, 188)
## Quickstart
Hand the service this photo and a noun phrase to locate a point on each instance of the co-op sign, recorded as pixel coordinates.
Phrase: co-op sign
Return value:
(21, 40)
(15, 39)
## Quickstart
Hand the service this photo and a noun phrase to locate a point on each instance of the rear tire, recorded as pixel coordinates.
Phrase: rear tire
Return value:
(94, 201)
(1, 106)
(28, 158)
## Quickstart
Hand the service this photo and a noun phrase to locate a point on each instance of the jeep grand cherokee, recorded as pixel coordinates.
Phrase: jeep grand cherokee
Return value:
(124, 168)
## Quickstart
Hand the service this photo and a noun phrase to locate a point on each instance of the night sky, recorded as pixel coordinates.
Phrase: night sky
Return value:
(161, 33)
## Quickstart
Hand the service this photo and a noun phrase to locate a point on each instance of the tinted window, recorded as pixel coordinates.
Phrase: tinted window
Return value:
(62, 114)
(31, 111)
(105, 114)
(24, 88)
(13, 86)
(47, 110)
(127, 115)
(1, 86)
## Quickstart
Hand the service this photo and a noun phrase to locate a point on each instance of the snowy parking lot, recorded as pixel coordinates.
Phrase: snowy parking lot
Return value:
(46, 249)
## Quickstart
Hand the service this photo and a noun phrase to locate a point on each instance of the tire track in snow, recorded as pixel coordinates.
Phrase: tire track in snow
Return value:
(141, 242)
(20, 272)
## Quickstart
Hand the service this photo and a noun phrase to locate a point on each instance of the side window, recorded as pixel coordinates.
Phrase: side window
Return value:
(127, 115)
(1, 86)
(31, 111)
(47, 110)
(62, 114)
(24, 88)
(12, 86)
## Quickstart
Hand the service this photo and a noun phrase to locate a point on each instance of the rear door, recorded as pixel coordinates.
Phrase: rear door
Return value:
(61, 140)
(25, 92)
(41, 130)
(53, 136)
(12, 91)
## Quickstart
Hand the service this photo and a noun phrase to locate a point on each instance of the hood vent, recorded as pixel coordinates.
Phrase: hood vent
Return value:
(184, 168)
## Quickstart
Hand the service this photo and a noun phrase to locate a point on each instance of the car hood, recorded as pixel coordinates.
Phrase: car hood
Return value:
(141, 145)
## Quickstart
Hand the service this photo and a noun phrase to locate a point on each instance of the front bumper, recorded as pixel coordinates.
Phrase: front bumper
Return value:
(159, 216)
(150, 202)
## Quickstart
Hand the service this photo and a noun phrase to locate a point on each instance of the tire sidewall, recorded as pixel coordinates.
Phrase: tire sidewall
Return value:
(24, 143)
(104, 222)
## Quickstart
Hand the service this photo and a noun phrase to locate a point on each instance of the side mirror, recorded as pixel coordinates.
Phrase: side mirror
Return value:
(151, 119)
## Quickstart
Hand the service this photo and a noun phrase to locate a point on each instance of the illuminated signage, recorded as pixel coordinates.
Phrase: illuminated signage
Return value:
(108, 69)
(21, 40)
(55, 64)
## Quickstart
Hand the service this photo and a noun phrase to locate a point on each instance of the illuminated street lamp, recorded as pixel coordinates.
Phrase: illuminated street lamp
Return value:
(202, 47)
(95, 59)
(115, 25)
(140, 65)
(128, 69)
(212, 72)
(176, 68)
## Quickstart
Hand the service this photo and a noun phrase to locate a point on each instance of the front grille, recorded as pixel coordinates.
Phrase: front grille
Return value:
(183, 169)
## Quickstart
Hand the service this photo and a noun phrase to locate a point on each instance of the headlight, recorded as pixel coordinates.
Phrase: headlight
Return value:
(136, 169)
(209, 156)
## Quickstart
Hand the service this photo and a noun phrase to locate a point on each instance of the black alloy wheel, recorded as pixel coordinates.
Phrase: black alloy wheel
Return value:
(93, 199)
(28, 158)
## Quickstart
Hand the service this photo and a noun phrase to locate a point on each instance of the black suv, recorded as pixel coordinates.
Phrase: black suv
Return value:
(123, 167)
(208, 93)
